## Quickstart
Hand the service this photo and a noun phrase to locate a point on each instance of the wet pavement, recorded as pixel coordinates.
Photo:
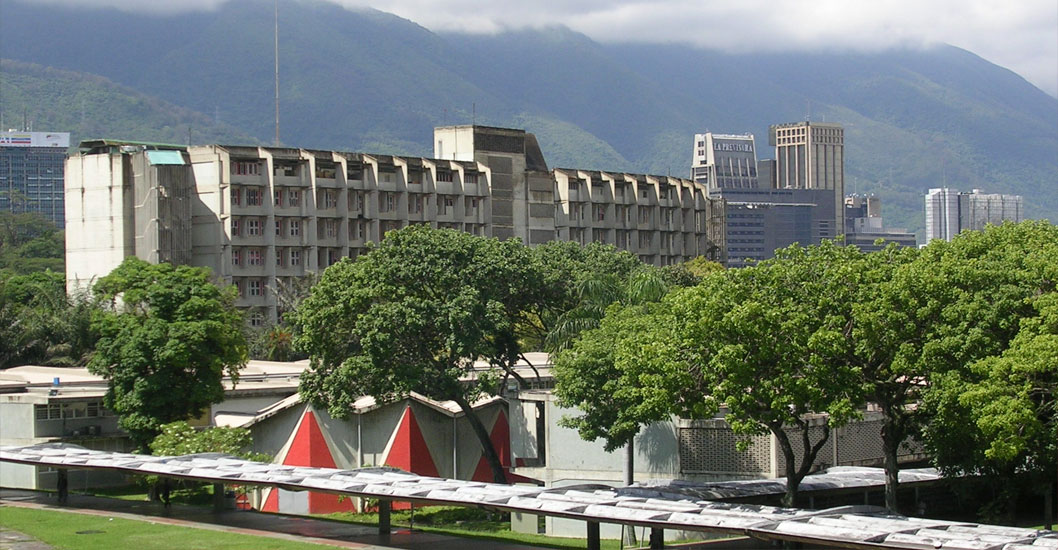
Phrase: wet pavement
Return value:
(320, 531)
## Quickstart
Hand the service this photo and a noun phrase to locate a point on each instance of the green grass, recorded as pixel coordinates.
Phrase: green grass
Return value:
(471, 523)
(67, 530)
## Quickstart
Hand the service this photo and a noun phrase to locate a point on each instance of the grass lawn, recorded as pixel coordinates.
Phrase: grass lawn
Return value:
(71, 531)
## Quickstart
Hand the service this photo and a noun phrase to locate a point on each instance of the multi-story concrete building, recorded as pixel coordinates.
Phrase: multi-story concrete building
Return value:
(864, 227)
(262, 216)
(811, 155)
(771, 204)
(724, 161)
(949, 212)
(31, 173)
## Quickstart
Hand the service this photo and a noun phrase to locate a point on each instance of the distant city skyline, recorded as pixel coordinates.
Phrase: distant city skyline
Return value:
(1021, 36)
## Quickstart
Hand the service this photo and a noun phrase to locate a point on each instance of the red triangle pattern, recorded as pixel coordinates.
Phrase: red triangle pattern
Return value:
(309, 448)
(409, 450)
(501, 441)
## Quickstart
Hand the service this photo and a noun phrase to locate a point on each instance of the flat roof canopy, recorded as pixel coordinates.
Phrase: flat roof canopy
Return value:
(848, 526)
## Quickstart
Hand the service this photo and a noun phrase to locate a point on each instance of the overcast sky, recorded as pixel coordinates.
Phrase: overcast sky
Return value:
(1021, 35)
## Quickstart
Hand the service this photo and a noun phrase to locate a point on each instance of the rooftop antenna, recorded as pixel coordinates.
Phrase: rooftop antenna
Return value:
(808, 117)
(277, 70)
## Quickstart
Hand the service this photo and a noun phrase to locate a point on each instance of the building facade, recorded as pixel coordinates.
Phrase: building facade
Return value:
(770, 204)
(811, 155)
(261, 217)
(31, 173)
(725, 161)
(864, 227)
(949, 212)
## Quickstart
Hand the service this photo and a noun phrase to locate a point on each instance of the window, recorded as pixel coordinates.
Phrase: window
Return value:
(255, 287)
(295, 228)
(279, 228)
(235, 227)
(239, 288)
(470, 177)
(280, 257)
(256, 257)
(444, 176)
(236, 257)
(332, 228)
(445, 203)
(253, 196)
(245, 168)
(236, 196)
(253, 227)
(600, 212)
(293, 197)
(471, 204)
(386, 202)
(328, 198)
(256, 319)
(295, 257)
(278, 197)
(415, 204)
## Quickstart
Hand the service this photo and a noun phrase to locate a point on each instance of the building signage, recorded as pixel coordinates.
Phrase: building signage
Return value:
(735, 147)
(35, 139)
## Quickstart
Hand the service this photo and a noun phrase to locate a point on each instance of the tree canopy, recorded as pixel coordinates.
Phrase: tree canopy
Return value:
(40, 324)
(413, 315)
(167, 338)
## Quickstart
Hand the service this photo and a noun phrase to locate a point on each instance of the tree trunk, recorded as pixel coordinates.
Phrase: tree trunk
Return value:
(629, 478)
(891, 439)
(491, 456)
(795, 473)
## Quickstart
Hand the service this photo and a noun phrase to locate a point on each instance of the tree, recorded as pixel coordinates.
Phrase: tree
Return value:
(167, 338)
(40, 324)
(180, 438)
(997, 416)
(930, 314)
(565, 269)
(413, 315)
(767, 342)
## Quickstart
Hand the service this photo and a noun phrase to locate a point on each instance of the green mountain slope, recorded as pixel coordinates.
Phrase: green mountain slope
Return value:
(91, 106)
(368, 80)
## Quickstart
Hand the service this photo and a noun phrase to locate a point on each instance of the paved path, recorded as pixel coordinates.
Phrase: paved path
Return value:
(13, 540)
(321, 531)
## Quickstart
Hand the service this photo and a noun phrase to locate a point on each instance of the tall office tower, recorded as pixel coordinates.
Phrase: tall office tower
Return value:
(811, 155)
(864, 227)
(31, 173)
(949, 212)
(725, 161)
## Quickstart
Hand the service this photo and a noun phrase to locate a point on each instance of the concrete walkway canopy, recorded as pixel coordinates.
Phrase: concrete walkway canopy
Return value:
(848, 527)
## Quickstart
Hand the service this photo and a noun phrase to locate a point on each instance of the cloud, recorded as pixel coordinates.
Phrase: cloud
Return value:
(1021, 35)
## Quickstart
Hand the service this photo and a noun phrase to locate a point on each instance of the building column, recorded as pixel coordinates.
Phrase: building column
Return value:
(62, 485)
(657, 538)
(384, 523)
(593, 535)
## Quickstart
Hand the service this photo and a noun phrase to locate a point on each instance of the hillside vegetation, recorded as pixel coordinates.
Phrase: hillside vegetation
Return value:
(370, 81)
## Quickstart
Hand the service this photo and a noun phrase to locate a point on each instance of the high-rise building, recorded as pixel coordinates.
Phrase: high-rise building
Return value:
(31, 173)
(770, 204)
(811, 155)
(949, 212)
(260, 217)
(725, 161)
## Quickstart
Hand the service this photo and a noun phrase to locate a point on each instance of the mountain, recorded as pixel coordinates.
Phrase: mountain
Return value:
(370, 81)
(90, 106)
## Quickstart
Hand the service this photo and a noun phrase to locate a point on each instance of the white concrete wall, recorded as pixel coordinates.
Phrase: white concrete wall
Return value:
(97, 221)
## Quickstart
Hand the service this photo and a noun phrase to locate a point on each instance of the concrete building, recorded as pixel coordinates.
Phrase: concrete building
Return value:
(770, 204)
(811, 155)
(261, 216)
(864, 227)
(31, 173)
(949, 212)
(725, 161)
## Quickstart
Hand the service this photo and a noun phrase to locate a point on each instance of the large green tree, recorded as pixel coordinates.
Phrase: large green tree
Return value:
(413, 315)
(167, 339)
(995, 412)
(767, 343)
(931, 314)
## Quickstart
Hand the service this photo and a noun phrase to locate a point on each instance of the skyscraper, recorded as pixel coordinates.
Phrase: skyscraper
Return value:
(725, 161)
(31, 173)
(949, 212)
(811, 155)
